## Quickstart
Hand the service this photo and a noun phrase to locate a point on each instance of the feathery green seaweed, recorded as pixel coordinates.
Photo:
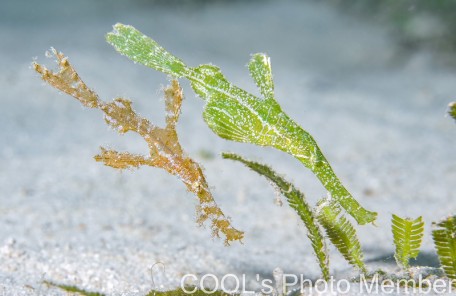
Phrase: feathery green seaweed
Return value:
(182, 291)
(408, 236)
(341, 233)
(445, 242)
(237, 115)
(194, 292)
(296, 200)
(452, 110)
(73, 289)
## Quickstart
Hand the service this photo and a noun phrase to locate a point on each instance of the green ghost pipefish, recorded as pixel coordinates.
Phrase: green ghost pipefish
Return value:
(237, 115)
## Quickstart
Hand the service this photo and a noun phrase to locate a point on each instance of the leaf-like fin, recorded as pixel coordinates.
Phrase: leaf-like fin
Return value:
(221, 116)
(260, 70)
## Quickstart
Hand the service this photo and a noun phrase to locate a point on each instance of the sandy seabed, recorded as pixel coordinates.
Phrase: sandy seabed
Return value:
(377, 112)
